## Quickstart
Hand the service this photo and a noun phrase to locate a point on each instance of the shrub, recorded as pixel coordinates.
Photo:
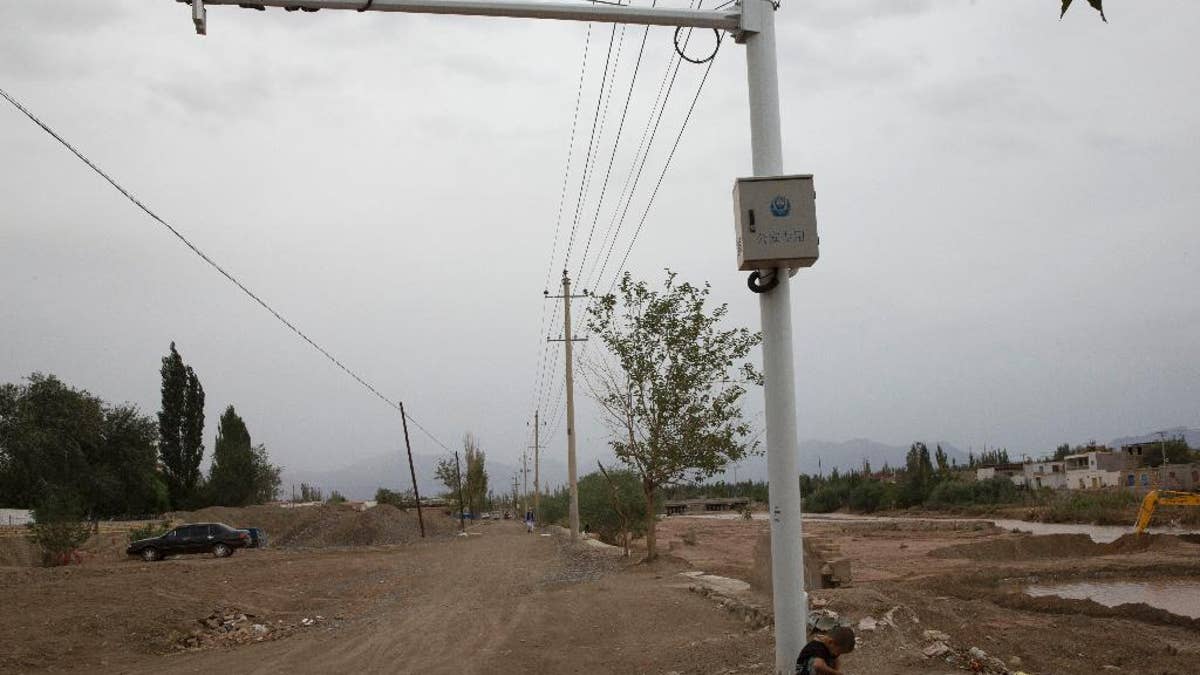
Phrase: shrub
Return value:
(58, 528)
(869, 496)
(824, 500)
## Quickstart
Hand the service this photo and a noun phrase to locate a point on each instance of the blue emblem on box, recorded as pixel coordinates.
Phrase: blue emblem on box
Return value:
(780, 207)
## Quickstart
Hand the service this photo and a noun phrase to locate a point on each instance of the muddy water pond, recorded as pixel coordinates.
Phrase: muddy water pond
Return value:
(1101, 534)
(1174, 596)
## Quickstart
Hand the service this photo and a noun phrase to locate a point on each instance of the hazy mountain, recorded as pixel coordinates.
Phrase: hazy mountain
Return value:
(361, 479)
(1191, 435)
(822, 456)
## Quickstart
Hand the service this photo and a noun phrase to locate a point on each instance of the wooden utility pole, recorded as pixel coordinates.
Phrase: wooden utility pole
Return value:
(568, 339)
(412, 470)
(462, 507)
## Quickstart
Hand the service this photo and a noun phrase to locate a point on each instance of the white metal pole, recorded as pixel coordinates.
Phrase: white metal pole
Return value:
(787, 553)
(574, 509)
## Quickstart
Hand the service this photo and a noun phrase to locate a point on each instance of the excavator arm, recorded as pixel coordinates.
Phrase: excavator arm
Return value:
(1167, 497)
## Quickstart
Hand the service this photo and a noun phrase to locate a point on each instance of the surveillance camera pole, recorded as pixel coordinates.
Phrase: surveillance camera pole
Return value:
(752, 23)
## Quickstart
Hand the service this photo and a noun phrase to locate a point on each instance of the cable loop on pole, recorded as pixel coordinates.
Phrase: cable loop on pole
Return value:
(710, 57)
(758, 284)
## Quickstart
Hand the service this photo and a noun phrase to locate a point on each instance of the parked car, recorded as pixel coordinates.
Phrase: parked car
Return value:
(258, 537)
(218, 539)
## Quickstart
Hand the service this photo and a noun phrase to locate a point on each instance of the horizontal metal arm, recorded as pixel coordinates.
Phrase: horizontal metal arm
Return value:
(648, 16)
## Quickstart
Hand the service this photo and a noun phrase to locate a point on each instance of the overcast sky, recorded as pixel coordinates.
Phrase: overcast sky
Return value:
(1007, 206)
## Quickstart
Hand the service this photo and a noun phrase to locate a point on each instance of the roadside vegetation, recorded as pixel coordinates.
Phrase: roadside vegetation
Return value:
(72, 458)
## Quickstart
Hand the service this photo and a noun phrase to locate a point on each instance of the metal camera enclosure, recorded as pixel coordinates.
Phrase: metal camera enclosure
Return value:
(775, 219)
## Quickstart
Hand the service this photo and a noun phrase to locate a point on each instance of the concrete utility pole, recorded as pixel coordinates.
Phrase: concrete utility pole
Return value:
(524, 482)
(752, 23)
(537, 485)
(412, 471)
(568, 339)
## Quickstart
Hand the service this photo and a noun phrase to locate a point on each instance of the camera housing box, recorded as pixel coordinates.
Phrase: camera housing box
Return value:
(775, 218)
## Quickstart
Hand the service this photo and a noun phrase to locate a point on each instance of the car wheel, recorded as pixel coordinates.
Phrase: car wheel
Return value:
(222, 551)
(150, 554)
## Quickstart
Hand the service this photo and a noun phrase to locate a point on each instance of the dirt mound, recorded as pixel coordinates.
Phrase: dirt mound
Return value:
(1131, 611)
(1027, 546)
(322, 525)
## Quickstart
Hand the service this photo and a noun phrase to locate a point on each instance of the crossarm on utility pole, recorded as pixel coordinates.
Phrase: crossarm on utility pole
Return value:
(727, 19)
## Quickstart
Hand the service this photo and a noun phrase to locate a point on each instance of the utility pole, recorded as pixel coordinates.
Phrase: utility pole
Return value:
(537, 485)
(412, 470)
(524, 482)
(516, 504)
(752, 23)
(568, 338)
(462, 507)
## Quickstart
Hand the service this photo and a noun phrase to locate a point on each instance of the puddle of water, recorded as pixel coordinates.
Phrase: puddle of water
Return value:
(1176, 597)
(1101, 534)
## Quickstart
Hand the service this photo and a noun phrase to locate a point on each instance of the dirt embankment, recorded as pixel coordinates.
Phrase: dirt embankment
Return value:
(1027, 547)
(320, 526)
(324, 525)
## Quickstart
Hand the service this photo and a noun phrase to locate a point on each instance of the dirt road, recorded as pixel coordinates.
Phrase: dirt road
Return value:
(500, 601)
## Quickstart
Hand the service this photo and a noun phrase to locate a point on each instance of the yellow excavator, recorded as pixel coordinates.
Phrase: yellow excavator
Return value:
(1167, 498)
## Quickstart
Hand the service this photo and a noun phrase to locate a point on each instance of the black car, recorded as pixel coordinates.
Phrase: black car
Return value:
(217, 538)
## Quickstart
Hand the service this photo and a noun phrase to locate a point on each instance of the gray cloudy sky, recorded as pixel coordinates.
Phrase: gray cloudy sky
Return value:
(1008, 209)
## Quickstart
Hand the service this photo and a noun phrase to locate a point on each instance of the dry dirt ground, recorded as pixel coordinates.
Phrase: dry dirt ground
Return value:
(966, 580)
(498, 601)
(503, 601)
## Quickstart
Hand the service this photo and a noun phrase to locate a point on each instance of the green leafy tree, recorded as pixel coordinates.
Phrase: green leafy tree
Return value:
(267, 480)
(231, 477)
(180, 428)
(475, 478)
(65, 441)
(336, 497)
(400, 499)
(674, 401)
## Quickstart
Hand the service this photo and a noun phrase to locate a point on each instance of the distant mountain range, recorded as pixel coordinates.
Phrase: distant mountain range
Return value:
(1192, 436)
(360, 479)
(819, 456)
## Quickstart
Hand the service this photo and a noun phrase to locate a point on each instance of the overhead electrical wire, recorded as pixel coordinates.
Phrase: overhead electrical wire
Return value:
(661, 175)
(544, 347)
(212, 263)
(649, 133)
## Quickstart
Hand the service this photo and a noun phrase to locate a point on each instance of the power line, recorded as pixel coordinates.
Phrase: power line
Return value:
(218, 268)
(646, 142)
(666, 165)
(585, 179)
(539, 379)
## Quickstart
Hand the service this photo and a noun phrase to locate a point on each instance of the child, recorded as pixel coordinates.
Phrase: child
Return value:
(820, 657)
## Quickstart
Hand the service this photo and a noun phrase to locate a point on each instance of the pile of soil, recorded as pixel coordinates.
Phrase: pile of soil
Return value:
(322, 525)
(1027, 546)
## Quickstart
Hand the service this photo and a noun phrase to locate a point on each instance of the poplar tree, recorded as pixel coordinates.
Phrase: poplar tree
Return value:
(180, 428)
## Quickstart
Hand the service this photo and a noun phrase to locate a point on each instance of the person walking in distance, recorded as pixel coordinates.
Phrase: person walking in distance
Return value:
(820, 656)
(529, 521)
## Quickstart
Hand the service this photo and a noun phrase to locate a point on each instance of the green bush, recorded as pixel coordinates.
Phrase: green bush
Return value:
(1102, 507)
(824, 500)
(58, 528)
(870, 496)
(149, 530)
(952, 492)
